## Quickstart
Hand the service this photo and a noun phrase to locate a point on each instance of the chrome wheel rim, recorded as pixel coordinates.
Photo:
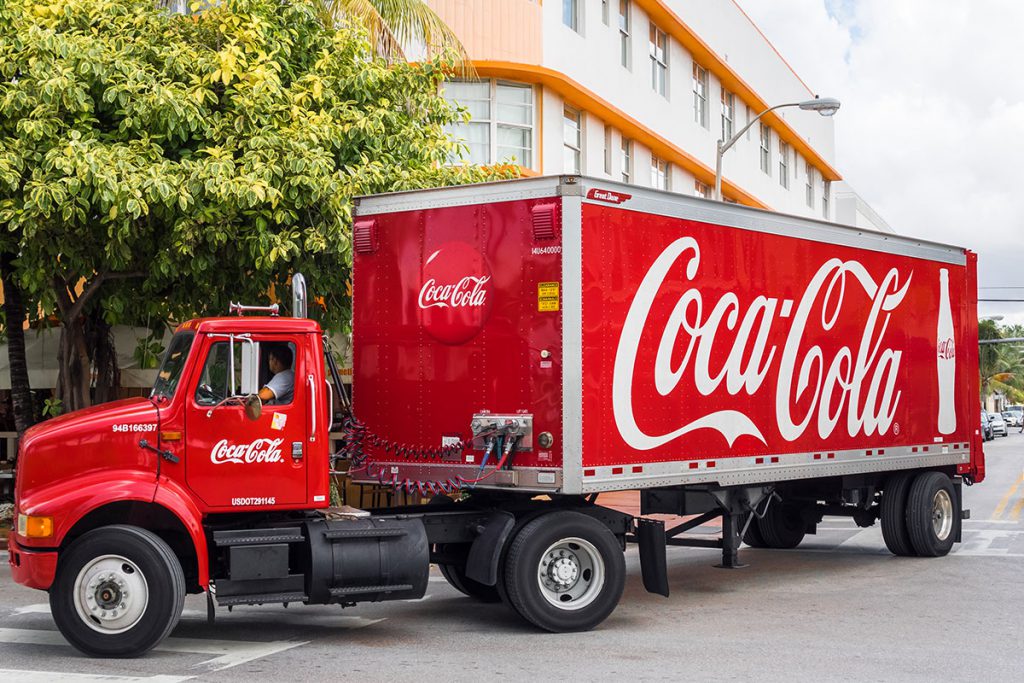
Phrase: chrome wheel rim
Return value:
(111, 594)
(571, 574)
(942, 514)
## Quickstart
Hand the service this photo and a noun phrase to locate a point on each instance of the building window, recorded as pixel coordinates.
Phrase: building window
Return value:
(766, 148)
(701, 190)
(624, 49)
(810, 183)
(659, 61)
(572, 140)
(784, 164)
(826, 190)
(607, 150)
(571, 14)
(659, 173)
(728, 111)
(700, 95)
(605, 11)
(501, 120)
(627, 160)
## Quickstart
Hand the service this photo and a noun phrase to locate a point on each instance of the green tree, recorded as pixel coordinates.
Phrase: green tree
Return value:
(1001, 365)
(155, 166)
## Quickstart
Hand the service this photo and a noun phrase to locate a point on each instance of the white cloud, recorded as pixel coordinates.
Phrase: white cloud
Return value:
(931, 132)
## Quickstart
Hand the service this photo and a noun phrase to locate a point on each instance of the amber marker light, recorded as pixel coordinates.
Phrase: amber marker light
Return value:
(30, 526)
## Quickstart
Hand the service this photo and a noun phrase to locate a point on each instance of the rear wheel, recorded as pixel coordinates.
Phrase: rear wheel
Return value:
(782, 526)
(752, 536)
(564, 571)
(933, 514)
(118, 592)
(455, 574)
(894, 514)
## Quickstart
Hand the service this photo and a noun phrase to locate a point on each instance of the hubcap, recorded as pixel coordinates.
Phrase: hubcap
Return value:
(111, 594)
(571, 574)
(942, 514)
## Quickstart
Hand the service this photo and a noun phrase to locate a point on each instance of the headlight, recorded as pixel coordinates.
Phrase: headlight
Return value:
(30, 526)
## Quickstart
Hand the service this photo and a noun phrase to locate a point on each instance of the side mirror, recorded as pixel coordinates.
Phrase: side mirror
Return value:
(253, 407)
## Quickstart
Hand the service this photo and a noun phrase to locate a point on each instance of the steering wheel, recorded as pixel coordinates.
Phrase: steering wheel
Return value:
(206, 394)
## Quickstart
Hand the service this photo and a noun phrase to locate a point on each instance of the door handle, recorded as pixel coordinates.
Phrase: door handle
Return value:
(312, 406)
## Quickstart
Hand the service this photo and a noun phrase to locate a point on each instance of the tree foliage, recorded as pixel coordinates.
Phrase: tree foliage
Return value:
(158, 165)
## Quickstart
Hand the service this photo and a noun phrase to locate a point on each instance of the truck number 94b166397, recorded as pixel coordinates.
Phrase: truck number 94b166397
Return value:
(134, 428)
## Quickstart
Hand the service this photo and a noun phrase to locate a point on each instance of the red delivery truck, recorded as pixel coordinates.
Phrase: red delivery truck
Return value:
(519, 348)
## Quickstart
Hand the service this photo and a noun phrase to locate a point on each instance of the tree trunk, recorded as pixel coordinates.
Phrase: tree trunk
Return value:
(75, 371)
(14, 310)
(100, 340)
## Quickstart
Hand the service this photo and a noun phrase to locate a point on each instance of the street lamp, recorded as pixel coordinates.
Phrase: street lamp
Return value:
(826, 106)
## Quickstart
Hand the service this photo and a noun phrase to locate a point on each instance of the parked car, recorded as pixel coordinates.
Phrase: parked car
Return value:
(986, 427)
(998, 424)
(1011, 418)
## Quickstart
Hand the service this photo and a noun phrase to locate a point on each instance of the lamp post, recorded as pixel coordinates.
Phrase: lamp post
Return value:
(826, 106)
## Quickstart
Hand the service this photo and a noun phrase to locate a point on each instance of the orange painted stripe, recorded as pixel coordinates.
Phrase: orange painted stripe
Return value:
(584, 98)
(668, 21)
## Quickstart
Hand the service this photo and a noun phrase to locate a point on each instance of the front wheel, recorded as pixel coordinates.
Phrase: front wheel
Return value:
(118, 592)
(564, 572)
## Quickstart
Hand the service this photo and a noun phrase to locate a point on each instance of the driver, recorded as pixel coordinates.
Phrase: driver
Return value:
(278, 391)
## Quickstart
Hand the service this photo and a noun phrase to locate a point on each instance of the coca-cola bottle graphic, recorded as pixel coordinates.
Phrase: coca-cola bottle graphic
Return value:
(945, 358)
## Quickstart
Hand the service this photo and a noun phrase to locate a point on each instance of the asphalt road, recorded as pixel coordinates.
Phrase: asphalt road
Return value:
(838, 607)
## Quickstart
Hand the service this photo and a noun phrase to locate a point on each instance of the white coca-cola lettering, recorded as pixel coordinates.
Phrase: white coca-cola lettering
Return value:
(469, 291)
(260, 450)
(864, 378)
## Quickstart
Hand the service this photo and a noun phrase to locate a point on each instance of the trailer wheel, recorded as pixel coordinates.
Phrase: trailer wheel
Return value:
(753, 536)
(782, 526)
(894, 515)
(455, 575)
(933, 514)
(565, 571)
(118, 592)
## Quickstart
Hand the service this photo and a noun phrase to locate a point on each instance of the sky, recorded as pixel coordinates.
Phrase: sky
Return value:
(931, 129)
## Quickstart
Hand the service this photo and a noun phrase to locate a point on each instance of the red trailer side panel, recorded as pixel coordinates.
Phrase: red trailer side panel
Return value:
(712, 349)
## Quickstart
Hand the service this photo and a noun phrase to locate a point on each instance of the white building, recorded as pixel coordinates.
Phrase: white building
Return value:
(640, 91)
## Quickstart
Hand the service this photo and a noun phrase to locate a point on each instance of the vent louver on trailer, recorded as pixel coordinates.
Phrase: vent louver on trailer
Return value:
(544, 221)
(364, 236)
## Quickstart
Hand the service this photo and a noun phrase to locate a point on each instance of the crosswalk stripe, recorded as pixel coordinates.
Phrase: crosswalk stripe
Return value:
(24, 676)
(228, 653)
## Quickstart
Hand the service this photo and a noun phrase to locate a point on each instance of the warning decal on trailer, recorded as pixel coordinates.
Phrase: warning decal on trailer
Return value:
(547, 296)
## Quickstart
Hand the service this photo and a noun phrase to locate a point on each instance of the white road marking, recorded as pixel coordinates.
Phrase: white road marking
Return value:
(228, 653)
(991, 521)
(22, 676)
(40, 608)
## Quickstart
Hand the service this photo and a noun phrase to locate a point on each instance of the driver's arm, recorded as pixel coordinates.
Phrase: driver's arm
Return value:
(266, 394)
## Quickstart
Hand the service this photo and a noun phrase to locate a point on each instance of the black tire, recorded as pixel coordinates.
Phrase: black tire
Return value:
(455, 574)
(783, 526)
(931, 503)
(752, 536)
(894, 514)
(140, 552)
(589, 595)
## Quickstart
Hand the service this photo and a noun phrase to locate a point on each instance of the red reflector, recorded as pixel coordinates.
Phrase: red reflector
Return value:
(693, 465)
(759, 461)
(588, 473)
(637, 469)
(775, 458)
(711, 463)
(817, 456)
(616, 470)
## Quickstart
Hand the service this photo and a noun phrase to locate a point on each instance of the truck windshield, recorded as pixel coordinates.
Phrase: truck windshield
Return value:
(174, 362)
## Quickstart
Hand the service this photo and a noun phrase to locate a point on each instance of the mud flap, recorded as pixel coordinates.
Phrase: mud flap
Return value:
(650, 535)
(485, 553)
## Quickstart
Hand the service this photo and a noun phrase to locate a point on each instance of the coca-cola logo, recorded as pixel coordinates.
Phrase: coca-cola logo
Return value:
(260, 450)
(469, 291)
(455, 293)
(855, 384)
(946, 349)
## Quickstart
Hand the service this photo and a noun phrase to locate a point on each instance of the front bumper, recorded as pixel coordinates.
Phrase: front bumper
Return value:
(32, 568)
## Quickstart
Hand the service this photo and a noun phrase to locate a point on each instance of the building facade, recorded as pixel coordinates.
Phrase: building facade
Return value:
(640, 91)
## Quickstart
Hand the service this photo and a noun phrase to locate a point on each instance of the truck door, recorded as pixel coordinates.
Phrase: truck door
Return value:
(231, 459)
